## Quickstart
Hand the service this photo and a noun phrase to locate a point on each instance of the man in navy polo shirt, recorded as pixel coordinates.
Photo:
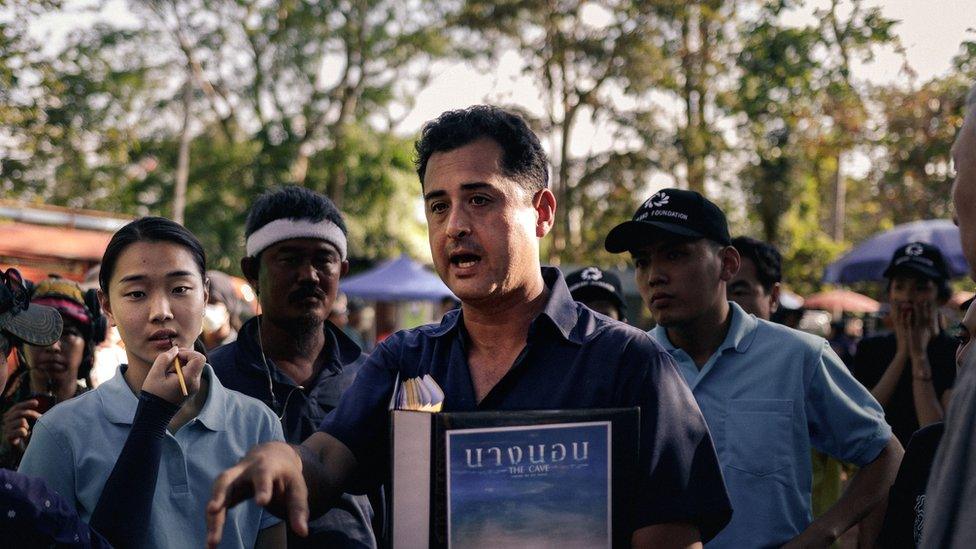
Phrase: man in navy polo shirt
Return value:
(768, 392)
(291, 357)
(519, 341)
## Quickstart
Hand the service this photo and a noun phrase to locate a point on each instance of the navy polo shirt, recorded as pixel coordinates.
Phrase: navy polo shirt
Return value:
(573, 358)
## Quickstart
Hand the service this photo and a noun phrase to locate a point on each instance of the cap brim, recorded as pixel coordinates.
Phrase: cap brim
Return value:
(631, 235)
(38, 325)
(595, 292)
(915, 268)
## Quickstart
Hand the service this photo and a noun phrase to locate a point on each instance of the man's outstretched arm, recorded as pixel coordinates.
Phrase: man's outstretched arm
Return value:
(292, 481)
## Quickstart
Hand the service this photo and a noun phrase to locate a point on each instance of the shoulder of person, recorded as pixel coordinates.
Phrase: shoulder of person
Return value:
(239, 403)
(786, 339)
(72, 412)
(350, 370)
(223, 356)
(769, 329)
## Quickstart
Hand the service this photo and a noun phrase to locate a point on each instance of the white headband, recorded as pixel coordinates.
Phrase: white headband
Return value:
(284, 229)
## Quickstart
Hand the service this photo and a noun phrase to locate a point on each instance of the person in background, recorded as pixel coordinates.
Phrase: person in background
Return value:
(136, 456)
(291, 356)
(599, 290)
(950, 508)
(911, 370)
(361, 321)
(340, 316)
(768, 393)
(756, 286)
(31, 514)
(221, 317)
(109, 354)
(905, 514)
(52, 373)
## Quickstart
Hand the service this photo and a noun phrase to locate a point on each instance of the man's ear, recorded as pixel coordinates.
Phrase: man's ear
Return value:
(731, 260)
(106, 307)
(774, 298)
(344, 268)
(544, 203)
(250, 267)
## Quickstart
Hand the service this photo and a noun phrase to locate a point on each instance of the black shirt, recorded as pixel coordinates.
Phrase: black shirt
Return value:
(874, 355)
(906, 500)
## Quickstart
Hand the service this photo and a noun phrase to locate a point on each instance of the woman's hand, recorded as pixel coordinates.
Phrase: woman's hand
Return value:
(921, 328)
(162, 380)
(17, 421)
(902, 319)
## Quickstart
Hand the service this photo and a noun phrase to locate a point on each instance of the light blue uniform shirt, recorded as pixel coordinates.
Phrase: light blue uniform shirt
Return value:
(768, 393)
(75, 445)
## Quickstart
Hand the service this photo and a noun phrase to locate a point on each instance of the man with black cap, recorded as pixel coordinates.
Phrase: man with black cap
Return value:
(599, 290)
(911, 370)
(768, 393)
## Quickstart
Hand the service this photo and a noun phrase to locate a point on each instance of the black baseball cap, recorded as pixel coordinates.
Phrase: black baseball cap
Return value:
(670, 211)
(595, 283)
(920, 258)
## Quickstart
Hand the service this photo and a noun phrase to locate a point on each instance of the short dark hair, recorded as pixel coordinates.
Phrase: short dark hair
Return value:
(523, 158)
(766, 258)
(291, 202)
(149, 229)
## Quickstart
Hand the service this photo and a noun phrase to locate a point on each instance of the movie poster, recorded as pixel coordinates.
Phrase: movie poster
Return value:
(529, 486)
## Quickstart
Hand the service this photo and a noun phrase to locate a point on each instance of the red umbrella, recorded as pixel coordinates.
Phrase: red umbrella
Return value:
(842, 300)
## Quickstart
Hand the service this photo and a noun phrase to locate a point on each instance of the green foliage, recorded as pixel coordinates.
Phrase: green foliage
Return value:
(703, 92)
(282, 92)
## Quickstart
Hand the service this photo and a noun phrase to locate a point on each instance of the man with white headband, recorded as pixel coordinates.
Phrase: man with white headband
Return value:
(291, 357)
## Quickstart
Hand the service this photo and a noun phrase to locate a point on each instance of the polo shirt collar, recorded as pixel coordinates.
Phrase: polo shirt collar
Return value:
(213, 416)
(560, 309)
(742, 331)
(120, 403)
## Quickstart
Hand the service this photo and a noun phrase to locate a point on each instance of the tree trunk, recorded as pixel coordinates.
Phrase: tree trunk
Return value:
(691, 91)
(840, 201)
(183, 157)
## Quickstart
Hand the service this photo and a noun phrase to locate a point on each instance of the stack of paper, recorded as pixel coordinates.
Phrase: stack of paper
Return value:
(420, 394)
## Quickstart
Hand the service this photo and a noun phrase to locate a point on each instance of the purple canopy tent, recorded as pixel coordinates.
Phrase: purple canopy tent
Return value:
(400, 279)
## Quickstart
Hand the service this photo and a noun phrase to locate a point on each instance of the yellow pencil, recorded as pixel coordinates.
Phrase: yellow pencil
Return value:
(179, 375)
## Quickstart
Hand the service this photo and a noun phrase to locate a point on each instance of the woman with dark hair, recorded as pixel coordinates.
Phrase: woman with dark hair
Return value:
(149, 442)
(911, 371)
(52, 373)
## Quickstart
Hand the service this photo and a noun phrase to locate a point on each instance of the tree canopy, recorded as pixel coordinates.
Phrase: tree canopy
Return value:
(231, 97)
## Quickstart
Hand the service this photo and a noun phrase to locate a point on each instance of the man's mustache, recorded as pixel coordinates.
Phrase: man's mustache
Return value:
(306, 292)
